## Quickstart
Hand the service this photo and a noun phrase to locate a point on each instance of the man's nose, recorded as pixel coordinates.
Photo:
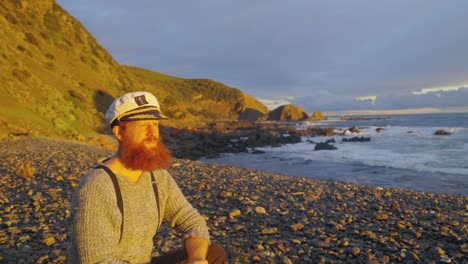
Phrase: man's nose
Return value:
(152, 130)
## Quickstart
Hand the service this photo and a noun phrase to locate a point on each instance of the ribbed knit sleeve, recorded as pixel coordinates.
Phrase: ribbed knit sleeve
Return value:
(180, 213)
(96, 221)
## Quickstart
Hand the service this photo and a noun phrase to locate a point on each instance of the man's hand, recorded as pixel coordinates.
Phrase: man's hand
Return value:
(197, 249)
(195, 261)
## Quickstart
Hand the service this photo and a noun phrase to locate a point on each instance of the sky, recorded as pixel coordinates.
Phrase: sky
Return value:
(323, 55)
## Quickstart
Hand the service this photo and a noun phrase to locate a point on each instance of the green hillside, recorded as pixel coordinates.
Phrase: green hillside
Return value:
(194, 101)
(57, 80)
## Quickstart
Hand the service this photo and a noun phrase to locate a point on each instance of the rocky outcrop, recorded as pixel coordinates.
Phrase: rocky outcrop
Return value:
(316, 116)
(356, 139)
(442, 132)
(351, 130)
(226, 137)
(324, 146)
(235, 137)
(286, 113)
(317, 132)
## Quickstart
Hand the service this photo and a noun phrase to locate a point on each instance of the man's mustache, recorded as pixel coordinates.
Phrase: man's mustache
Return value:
(151, 139)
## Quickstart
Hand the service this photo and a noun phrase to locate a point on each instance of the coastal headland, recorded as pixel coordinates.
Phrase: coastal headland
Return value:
(259, 217)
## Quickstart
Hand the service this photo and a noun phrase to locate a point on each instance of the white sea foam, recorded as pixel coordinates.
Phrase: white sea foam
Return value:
(321, 123)
(402, 156)
(397, 147)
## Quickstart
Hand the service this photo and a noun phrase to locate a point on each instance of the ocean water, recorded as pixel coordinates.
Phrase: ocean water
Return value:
(405, 154)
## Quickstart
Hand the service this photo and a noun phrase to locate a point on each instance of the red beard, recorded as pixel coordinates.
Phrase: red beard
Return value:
(137, 156)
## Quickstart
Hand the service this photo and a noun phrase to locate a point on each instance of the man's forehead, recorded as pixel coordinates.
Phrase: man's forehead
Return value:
(139, 122)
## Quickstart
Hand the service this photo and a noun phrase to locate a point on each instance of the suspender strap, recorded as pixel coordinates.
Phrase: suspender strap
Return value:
(117, 193)
(156, 195)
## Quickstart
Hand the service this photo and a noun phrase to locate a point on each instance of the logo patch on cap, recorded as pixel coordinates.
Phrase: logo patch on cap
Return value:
(140, 100)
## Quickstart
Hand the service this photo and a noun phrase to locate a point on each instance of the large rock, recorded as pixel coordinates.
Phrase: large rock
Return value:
(356, 139)
(442, 132)
(286, 113)
(316, 116)
(324, 146)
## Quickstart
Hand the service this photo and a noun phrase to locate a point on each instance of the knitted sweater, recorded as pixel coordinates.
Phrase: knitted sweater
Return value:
(96, 228)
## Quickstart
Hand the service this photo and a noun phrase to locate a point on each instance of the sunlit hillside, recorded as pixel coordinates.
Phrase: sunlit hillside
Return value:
(57, 80)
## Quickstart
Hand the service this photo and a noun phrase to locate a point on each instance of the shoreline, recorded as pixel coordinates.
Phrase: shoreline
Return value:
(258, 216)
(361, 174)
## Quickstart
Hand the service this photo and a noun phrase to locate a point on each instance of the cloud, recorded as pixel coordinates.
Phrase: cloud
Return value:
(371, 98)
(453, 98)
(441, 89)
(324, 53)
(425, 110)
(272, 104)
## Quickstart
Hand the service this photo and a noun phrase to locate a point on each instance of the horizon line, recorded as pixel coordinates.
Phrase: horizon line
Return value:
(423, 110)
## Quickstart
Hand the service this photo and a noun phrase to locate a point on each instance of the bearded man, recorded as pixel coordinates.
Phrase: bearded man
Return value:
(119, 206)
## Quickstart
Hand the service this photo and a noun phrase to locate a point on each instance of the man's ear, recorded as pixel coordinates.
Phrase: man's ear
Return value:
(117, 132)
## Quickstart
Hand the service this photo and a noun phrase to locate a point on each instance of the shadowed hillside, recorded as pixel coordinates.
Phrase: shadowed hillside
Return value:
(286, 113)
(56, 80)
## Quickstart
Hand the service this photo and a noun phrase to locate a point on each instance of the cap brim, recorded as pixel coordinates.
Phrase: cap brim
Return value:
(147, 115)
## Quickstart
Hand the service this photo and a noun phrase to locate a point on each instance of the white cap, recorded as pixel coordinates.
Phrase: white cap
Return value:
(134, 106)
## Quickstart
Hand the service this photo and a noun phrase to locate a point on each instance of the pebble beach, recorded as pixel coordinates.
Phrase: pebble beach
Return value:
(259, 217)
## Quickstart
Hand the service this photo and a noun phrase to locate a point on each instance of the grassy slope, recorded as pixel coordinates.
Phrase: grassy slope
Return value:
(57, 80)
(193, 101)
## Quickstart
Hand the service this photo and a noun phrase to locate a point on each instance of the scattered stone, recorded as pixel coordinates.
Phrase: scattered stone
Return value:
(234, 213)
(296, 241)
(260, 210)
(381, 217)
(310, 221)
(239, 227)
(412, 256)
(49, 241)
(296, 227)
(400, 225)
(175, 165)
(269, 231)
(320, 243)
(445, 259)
(59, 259)
(286, 260)
(353, 251)
(464, 248)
